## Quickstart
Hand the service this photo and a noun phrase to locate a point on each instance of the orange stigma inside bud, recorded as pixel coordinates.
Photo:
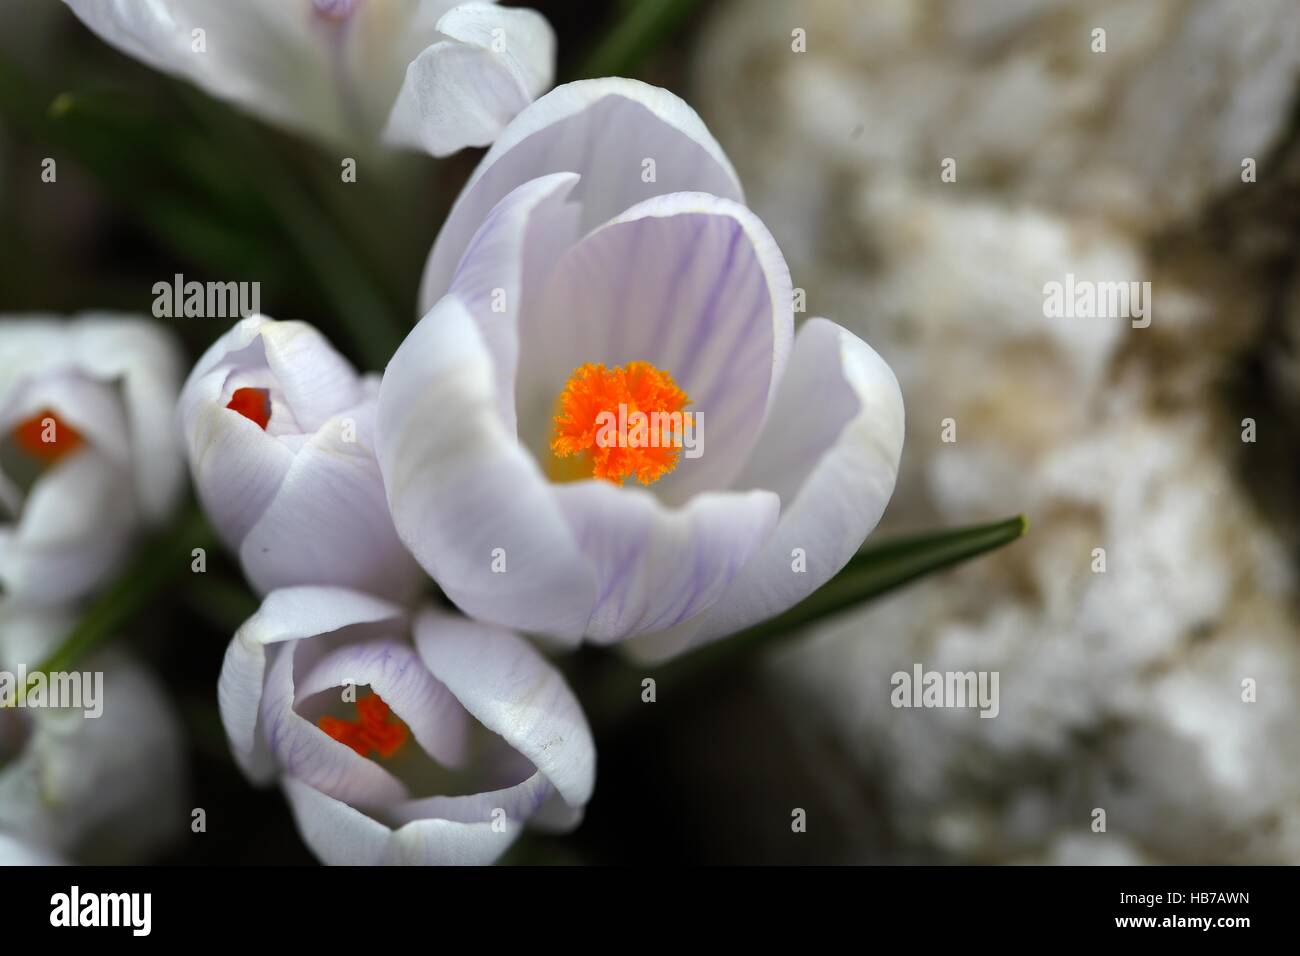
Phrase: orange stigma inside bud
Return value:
(46, 437)
(253, 403)
(375, 730)
(627, 421)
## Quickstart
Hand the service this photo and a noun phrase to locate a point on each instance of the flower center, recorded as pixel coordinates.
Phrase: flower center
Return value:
(374, 729)
(46, 437)
(253, 403)
(624, 421)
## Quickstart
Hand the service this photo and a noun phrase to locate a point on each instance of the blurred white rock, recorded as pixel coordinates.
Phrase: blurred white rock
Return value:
(1121, 689)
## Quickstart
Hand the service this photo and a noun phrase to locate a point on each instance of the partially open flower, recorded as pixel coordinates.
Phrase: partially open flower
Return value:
(425, 741)
(441, 75)
(598, 295)
(279, 429)
(88, 455)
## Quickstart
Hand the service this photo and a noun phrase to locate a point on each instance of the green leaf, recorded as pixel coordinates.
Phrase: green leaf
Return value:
(612, 688)
(879, 570)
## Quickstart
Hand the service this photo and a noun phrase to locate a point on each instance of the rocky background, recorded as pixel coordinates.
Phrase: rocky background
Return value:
(1123, 689)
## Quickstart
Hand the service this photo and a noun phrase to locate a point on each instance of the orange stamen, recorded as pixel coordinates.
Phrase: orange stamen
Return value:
(253, 403)
(46, 437)
(620, 393)
(371, 731)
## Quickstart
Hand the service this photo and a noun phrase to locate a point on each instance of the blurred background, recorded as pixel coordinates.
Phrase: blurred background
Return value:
(1120, 689)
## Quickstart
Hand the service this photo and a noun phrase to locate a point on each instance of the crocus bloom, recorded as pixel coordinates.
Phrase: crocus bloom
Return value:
(107, 788)
(279, 426)
(365, 715)
(88, 457)
(447, 75)
(601, 256)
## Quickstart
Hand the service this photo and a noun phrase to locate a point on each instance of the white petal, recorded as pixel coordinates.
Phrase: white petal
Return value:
(696, 286)
(146, 361)
(302, 750)
(73, 534)
(658, 566)
(504, 682)
(831, 451)
(517, 804)
(464, 91)
(603, 130)
(277, 60)
(92, 408)
(328, 521)
(238, 467)
(341, 835)
(338, 834)
(501, 276)
(230, 350)
(464, 495)
(318, 382)
(287, 615)
(14, 852)
(112, 377)
(389, 667)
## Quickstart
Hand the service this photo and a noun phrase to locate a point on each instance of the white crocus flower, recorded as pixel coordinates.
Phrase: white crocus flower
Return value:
(365, 715)
(279, 430)
(106, 788)
(88, 456)
(441, 75)
(601, 254)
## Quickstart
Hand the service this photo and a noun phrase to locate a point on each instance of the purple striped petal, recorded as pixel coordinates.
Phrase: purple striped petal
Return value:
(603, 130)
(830, 450)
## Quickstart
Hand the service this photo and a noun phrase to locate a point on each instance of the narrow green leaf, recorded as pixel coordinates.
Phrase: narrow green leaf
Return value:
(878, 570)
(612, 688)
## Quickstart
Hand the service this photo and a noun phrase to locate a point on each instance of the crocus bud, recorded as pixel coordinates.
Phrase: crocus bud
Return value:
(278, 427)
